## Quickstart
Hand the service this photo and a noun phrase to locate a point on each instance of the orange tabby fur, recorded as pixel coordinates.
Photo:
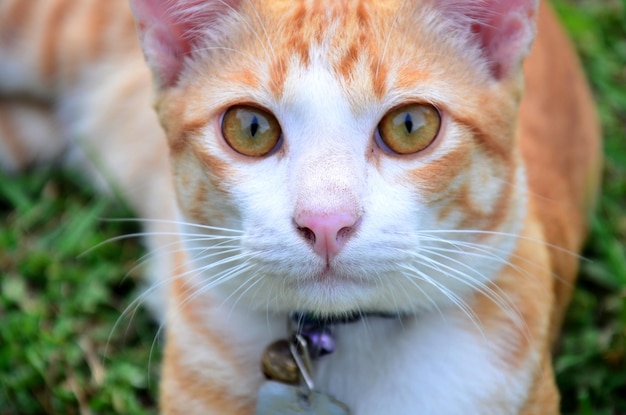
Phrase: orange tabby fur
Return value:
(209, 365)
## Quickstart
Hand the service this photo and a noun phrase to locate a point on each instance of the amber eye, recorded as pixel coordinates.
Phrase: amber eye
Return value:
(409, 129)
(250, 131)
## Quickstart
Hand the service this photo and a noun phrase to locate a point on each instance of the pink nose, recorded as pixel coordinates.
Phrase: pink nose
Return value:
(327, 233)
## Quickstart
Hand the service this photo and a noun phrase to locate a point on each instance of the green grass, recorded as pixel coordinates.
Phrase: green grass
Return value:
(67, 347)
(591, 365)
(60, 349)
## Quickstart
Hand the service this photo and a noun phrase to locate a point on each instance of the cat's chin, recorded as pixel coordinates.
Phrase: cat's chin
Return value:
(334, 295)
(332, 279)
(332, 284)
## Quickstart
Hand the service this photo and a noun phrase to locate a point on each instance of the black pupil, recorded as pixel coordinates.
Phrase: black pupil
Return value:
(408, 123)
(254, 126)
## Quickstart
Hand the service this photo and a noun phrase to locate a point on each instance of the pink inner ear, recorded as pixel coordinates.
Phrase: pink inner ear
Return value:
(504, 29)
(169, 29)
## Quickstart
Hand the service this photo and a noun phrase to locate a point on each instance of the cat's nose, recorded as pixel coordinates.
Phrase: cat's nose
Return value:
(327, 233)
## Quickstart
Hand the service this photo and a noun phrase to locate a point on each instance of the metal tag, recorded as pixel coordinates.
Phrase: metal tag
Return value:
(277, 398)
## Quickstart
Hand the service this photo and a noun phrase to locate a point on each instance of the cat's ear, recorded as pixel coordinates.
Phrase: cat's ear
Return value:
(170, 29)
(503, 29)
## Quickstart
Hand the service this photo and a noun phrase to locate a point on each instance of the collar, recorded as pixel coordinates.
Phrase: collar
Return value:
(318, 330)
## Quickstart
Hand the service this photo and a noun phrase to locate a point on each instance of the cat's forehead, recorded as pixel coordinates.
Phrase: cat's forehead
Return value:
(301, 12)
(371, 49)
(344, 33)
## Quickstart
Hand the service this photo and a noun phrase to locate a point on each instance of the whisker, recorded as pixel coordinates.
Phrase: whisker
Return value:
(496, 233)
(149, 256)
(198, 237)
(201, 272)
(488, 256)
(428, 297)
(243, 293)
(498, 296)
(488, 249)
(173, 222)
(455, 299)
(146, 258)
(490, 252)
(177, 275)
(220, 278)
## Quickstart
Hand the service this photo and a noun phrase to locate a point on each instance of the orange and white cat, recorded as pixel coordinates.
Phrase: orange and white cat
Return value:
(334, 157)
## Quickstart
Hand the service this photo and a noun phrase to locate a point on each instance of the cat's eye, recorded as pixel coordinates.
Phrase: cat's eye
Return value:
(250, 131)
(410, 128)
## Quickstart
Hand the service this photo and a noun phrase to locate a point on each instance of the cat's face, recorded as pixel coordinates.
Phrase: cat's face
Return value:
(368, 162)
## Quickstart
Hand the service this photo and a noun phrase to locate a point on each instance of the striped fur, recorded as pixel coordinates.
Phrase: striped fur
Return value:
(473, 239)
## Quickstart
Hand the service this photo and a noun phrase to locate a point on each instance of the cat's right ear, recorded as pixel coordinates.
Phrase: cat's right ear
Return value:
(170, 30)
(502, 29)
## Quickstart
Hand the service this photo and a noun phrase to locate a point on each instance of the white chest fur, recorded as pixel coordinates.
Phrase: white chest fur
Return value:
(437, 364)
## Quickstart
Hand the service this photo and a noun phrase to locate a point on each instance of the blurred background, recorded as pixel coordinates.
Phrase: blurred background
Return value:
(591, 364)
(72, 341)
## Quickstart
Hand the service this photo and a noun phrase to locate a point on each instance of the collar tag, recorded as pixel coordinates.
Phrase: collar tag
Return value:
(281, 399)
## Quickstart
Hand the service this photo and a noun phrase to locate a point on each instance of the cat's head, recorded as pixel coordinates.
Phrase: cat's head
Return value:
(363, 152)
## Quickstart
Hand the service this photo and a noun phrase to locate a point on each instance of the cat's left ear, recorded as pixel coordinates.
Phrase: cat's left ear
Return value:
(169, 30)
(503, 29)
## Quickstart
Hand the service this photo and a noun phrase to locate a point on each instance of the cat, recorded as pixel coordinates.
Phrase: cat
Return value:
(389, 160)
